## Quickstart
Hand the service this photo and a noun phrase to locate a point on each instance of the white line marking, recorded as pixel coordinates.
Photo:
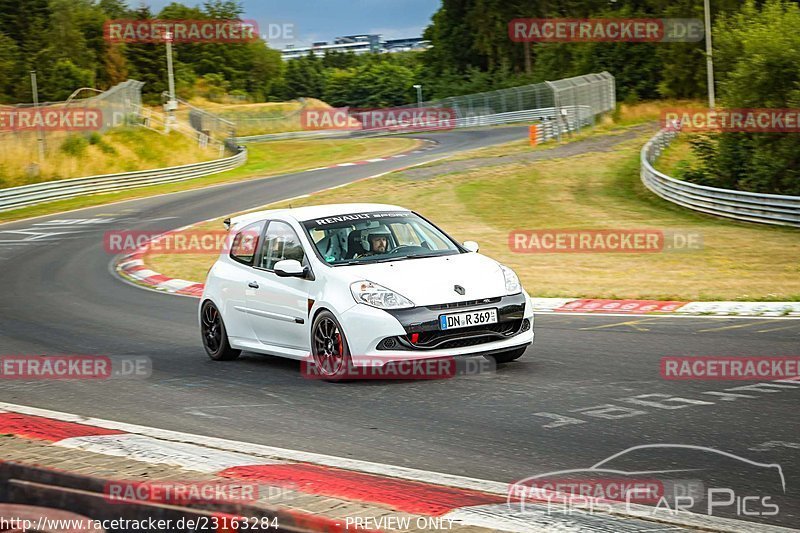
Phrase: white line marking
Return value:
(376, 159)
(346, 165)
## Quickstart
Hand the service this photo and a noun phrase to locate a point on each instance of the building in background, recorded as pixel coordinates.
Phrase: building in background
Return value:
(358, 44)
(405, 45)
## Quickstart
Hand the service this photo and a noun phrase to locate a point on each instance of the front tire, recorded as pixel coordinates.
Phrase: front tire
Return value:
(507, 357)
(215, 336)
(329, 348)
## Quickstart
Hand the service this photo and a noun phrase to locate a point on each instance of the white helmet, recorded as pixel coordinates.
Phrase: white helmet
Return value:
(368, 234)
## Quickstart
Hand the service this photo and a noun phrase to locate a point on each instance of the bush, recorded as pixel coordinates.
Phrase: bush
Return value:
(95, 139)
(75, 145)
(757, 52)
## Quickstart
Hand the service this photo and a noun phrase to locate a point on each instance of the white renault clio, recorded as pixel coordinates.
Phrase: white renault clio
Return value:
(352, 284)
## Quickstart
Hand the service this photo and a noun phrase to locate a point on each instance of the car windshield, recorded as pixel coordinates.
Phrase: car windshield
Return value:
(373, 237)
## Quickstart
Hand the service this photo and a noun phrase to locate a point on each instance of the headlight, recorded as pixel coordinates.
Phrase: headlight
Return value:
(366, 292)
(512, 281)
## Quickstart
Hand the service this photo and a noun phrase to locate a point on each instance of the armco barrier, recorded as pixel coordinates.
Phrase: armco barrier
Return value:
(741, 205)
(26, 195)
(547, 118)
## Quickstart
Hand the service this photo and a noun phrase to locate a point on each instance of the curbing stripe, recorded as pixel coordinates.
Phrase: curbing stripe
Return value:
(402, 495)
(177, 284)
(156, 451)
(497, 516)
(40, 428)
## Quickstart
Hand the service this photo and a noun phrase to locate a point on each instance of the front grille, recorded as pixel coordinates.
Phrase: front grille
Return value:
(467, 303)
(501, 328)
(462, 337)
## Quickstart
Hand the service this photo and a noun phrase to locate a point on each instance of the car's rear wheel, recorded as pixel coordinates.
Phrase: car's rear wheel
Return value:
(329, 347)
(215, 337)
(507, 357)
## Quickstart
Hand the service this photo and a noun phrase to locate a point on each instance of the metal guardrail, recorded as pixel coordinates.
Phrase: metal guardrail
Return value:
(26, 195)
(741, 205)
(572, 119)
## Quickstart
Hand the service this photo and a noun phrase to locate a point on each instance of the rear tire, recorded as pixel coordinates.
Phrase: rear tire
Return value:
(507, 357)
(215, 336)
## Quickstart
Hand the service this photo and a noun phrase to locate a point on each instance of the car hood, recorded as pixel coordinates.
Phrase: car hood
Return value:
(432, 280)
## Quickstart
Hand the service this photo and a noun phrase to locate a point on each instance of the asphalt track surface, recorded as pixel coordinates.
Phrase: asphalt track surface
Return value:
(571, 401)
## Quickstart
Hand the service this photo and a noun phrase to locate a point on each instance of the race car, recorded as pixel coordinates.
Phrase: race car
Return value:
(358, 284)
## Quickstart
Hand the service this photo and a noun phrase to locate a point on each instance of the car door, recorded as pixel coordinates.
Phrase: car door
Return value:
(233, 273)
(278, 307)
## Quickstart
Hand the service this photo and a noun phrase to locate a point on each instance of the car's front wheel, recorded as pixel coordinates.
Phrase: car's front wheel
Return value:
(329, 347)
(215, 337)
(507, 357)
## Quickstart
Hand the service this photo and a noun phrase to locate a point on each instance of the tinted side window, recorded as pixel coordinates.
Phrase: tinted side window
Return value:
(281, 242)
(245, 243)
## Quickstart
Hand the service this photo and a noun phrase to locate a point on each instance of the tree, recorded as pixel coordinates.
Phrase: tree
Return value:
(757, 52)
(9, 59)
(304, 77)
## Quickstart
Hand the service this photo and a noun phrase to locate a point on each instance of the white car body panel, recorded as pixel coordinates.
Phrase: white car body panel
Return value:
(267, 320)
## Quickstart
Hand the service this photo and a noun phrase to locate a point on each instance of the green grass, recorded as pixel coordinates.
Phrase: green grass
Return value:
(677, 158)
(264, 159)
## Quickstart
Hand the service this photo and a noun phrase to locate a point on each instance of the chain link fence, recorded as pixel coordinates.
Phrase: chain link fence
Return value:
(29, 138)
(557, 107)
(572, 102)
(36, 148)
(210, 129)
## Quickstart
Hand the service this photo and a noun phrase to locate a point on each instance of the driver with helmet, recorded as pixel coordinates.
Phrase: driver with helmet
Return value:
(375, 241)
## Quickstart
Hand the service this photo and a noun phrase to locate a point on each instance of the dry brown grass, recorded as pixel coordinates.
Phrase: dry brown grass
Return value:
(120, 150)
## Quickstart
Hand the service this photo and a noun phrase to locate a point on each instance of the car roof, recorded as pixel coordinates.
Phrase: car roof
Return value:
(311, 212)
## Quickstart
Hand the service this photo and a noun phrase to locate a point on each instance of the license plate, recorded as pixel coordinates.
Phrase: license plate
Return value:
(468, 318)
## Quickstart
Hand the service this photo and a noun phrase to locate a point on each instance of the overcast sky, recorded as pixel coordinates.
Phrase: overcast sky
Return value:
(322, 20)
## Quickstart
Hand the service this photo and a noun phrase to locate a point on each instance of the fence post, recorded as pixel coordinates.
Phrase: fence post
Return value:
(556, 108)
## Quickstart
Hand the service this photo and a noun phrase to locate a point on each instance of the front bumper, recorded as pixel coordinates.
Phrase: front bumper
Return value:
(376, 336)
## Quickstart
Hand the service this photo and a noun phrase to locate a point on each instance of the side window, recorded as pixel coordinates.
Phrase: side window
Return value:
(245, 243)
(281, 242)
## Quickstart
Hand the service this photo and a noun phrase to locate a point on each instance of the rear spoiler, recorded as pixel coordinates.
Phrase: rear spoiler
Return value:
(233, 222)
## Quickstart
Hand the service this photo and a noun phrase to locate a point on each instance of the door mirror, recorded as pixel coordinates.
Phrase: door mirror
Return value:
(471, 246)
(290, 268)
